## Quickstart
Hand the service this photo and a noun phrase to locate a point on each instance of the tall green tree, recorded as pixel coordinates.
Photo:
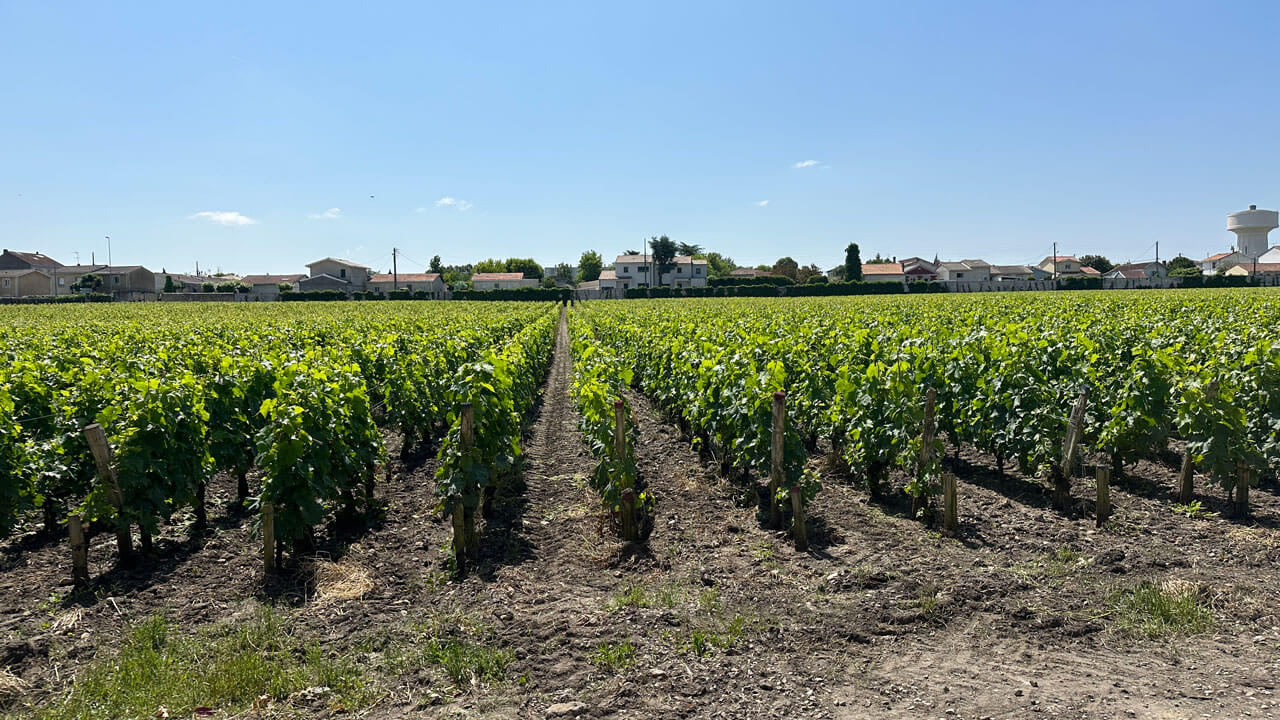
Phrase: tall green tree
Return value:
(436, 265)
(718, 266)
(564, 274)
(530, 267)
(1097, 262)
(589, 266)
(1183, 266)
(664, 255)
(688, 249)
(852, 263)
(786, 267)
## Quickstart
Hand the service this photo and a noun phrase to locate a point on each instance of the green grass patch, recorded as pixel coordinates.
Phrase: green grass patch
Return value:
(226, 667)
(634, 596)
(1153, 611)
(614, 656)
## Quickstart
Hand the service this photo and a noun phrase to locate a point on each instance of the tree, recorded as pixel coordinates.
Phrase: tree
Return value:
(786, 267)
(169, 285)
(589, 266)
(632, 252)
(208, 287)
(489, 266)
(1097, 262)
(764, 268)
(1186, 271)
(564, 274)
(804, 274)
(548, 282)
(719, 266)
(664, 253)
(688, 250)
(852, 263)
(877, 260)
(1182, 262)
(436, 265)
(284, 287)
(530, 267)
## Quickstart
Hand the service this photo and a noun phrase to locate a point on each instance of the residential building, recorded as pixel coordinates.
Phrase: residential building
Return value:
(1251, 268)
(641, 271)
(883, 272)
(1138, 271)
(748, 272)
(430, 283)
(25, 282)
(122, 281)
(608, 283)
(15, 260)
(549, 271)
(971, 270)
(916, 269)
(1210, 265)
(267, 287)
(1270, 256)
(501, 281)
(1064, 265)
(350, 276)
(1006, 273)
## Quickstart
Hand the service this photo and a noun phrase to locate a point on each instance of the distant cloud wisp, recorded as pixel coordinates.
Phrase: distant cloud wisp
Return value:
(420, 210)
(761, 203)
(223, 217)
(330, 214)
(806, 164)
(453, 203)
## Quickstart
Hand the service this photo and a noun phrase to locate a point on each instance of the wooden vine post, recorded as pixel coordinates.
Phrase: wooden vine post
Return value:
(1070, 445)
(268, 537)
(1104, 494)
(465, 542)
(924, 463)
(1244, 478)
(1186, 476)
(102, 457)
(950, 505)
(625, 489)
(79, 552)
(778, 449)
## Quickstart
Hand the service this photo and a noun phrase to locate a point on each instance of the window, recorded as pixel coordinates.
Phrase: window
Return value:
(697, 271)
(495, 286)
(643, 269)
(626, 269)
(959, 275)
(62, 281)
(115, 279)
(342, 273)
(680, 269)
(6, 282)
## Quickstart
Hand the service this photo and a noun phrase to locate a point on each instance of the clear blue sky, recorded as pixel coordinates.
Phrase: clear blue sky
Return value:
(532, 129)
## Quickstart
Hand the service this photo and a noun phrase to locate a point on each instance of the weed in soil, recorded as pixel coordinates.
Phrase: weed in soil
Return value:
(614, 656)
(1153, 611)
(227, 666)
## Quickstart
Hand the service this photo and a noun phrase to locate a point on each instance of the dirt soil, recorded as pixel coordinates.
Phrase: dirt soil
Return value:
(882, 617)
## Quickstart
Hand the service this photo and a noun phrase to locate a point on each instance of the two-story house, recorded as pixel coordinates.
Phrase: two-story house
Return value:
(24, 274)
(122, 281)
(967, 270)
(267, 287)
(336, 274)
(634, 271)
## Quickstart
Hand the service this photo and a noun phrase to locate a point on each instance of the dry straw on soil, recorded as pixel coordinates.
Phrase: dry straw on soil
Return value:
(334, 581)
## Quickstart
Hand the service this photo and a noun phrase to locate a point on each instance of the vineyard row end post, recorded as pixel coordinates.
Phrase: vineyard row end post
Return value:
(102, 457)
(1104, 494)
(950, 505)
(1070, 445)
(268, 538)
(627, 492)
(778, 447)
(79, 552)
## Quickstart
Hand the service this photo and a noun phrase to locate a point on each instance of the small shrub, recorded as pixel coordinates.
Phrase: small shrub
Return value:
(1173, 608)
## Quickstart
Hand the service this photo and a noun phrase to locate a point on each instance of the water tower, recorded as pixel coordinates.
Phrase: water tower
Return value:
(1251, 227)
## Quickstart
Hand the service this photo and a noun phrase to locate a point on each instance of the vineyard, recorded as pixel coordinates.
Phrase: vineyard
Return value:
(755, 507)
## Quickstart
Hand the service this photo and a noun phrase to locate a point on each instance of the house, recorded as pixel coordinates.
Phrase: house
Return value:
(24, 282)
(916, 269)
(752, 272)
(1210, 265)
(968, 270)
(641, 271)
(1006, 273)
(1063, 265)
(430, 283)
(502, 281)
(1137, 271)
(1251, 268)
(549, 271)
(1088, 271)
(14, 260)
(608, 281)
(121, 281)
(883, 272)
(349, 276)
(267, 287)
(1270, 256)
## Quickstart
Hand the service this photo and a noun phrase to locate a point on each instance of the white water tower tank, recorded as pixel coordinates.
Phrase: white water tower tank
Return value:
(1251, 227)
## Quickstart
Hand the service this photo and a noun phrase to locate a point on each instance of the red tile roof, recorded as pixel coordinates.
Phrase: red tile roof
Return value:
(1089, 270)
(35, 259)
(882, 269)
(1219, 256)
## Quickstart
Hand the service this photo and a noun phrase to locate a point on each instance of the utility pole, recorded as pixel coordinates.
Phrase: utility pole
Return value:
(1055, 261)
(108, 251)
(395, 274)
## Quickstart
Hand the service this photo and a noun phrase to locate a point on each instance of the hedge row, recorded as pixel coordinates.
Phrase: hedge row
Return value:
(535, 294)
(762, 290)
(775, 280)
